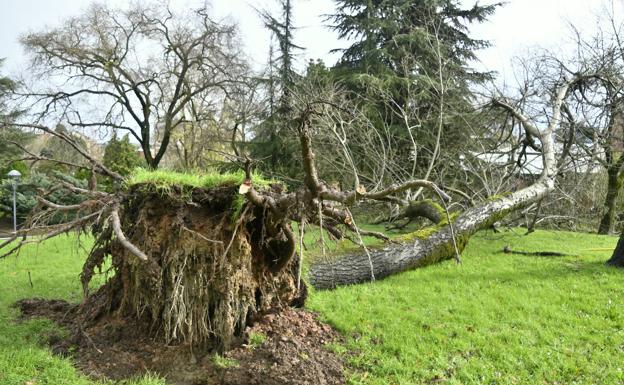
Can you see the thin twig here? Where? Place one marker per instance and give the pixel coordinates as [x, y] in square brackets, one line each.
[320, 213]
[450, 223]
[368, 254]
[200, 235]
[301, 233]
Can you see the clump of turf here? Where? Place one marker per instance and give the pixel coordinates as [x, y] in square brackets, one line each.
[168, 178]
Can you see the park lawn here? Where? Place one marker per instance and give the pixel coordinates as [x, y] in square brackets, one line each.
[54, 268]
[495, 319]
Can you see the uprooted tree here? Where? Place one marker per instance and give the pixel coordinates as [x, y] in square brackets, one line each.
[194, 263]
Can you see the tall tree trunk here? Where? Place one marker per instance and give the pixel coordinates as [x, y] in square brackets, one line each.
[613, 190]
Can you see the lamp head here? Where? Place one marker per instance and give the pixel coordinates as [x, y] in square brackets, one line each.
[14, 174]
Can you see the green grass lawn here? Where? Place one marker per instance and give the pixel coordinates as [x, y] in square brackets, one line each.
[54, 268]
[495, 319]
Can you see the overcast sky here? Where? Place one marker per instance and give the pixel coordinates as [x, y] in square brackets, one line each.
[515, 28]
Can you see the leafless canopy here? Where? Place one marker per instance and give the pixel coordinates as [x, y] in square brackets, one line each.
[140, 70]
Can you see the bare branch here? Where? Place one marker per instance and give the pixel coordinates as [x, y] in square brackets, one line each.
[98, 166]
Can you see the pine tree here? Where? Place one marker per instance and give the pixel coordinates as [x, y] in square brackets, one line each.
[272, 142]
[418, 54]
[282, 30]
[121, 156]
[9, 135]
[394, 36]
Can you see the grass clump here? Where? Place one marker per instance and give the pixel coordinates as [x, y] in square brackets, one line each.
[256, 339]
[224, 362]
[147, 379]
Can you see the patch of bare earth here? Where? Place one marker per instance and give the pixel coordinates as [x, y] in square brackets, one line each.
[286, 347]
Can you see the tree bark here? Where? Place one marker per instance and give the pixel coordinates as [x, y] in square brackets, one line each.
[424, 209]
[355, 268]
[613, 190]
[617, 259]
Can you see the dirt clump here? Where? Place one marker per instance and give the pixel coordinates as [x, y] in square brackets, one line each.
[285, 346]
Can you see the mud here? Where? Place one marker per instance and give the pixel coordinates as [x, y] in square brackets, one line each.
[289, 346]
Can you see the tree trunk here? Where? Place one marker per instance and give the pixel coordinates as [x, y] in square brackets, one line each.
[418, 252]
[613, 190]
[617, 259]
[208, 269]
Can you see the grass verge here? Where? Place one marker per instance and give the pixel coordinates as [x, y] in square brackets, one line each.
[53, 269]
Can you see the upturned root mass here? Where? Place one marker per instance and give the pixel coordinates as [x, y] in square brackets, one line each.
[211, 267]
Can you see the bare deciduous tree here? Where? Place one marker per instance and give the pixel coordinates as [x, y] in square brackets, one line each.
[137, 70]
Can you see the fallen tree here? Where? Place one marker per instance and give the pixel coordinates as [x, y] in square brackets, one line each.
[442, 242]
[195, 265]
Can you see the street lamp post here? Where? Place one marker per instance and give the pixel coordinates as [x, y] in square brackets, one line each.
[14, 175]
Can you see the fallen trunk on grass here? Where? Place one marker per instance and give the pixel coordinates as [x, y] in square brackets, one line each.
[425, 247]
[444, 242]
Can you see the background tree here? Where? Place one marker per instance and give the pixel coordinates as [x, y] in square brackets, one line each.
[100, 76]
[121, 156]
[10, 137]
[617, 258]
[56, 148]
[271, 142]
[30, 188]
[601, 135]
[412, 61]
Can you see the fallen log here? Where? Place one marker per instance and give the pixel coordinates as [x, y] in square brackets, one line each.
[439, 245]
[424, 248]
[508, 250]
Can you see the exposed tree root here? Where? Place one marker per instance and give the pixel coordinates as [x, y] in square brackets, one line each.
[199, 276]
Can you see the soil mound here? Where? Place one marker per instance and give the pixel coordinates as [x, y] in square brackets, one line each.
[279, 347]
